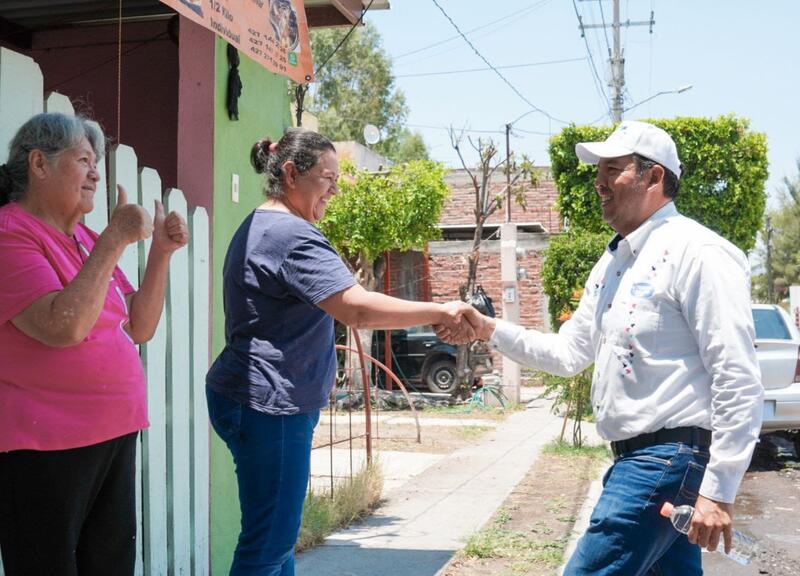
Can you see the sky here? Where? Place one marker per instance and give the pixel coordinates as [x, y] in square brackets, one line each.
[739, 57]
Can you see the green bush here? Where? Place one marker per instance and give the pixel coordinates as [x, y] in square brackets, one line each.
[393, 210]
[722, 186]
[568, 260]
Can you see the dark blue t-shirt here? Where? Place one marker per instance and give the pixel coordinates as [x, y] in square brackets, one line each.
[279, 356]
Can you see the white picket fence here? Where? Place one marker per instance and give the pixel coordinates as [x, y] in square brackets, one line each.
[173, 454]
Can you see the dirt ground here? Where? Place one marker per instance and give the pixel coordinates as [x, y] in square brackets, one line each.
[529, 533]
[397, 431]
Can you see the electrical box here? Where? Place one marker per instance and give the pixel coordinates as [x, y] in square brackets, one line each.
[235, 188]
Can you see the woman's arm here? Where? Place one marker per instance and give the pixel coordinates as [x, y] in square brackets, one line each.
[64, 318]
[145, 305]
[359, 308]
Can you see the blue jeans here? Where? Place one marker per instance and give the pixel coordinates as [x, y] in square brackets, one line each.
[273, 459]
[627, 536]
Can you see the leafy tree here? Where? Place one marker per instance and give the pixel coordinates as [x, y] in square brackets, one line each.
[784, 222]
[792, 187]
[722, 186]
[374, 213]
[487, 202]
[356, 87]
[378, 212]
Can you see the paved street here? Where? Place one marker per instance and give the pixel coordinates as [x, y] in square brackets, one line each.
[768, 507]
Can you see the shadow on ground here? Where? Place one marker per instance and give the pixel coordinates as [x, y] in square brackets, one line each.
[347, 560]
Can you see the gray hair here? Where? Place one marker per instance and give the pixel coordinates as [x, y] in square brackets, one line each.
[52, 134]
[303, 147]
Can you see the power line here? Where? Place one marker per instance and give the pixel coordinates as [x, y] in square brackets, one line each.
[343, 40]
[481, 27]
[535, 133]
[598, 84]
[447, 128]
[603, 19]
[426, 57]
[496, 71]
[510, 66]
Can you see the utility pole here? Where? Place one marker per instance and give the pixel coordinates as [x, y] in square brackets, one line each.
[616, 59]
[770, 295]
[508, 174]
[617, 63]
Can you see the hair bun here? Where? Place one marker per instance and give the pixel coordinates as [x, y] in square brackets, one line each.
[259, 155]
[5, 177]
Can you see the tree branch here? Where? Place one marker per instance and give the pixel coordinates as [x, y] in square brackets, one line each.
[455, 143]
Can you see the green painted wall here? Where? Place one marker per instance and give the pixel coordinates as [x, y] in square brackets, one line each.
[263, 111]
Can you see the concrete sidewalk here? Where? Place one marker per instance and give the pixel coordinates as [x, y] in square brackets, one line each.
[427, 519]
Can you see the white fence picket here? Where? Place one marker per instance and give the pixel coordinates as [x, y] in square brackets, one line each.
[173, 457]
[97, 219]
[21, 92]
[198, 267]
[154, 439]
[179, 401]
[123, 171]
[56, 102]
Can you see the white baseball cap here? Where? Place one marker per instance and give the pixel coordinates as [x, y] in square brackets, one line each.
[632, 137]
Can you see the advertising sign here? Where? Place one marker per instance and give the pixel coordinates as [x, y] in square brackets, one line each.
[274, 33]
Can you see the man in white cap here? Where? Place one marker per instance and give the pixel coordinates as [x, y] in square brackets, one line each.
[665, 318]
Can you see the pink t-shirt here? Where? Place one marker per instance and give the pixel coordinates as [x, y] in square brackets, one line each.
[59, 398]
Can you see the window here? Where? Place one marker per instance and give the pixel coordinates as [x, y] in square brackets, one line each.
[770, 325]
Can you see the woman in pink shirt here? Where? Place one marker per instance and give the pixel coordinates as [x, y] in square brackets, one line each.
[72, 389]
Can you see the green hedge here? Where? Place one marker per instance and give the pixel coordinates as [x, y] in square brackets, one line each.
[569, 259]
[722, 186]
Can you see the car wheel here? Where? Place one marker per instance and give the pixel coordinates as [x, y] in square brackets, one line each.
[441, 376]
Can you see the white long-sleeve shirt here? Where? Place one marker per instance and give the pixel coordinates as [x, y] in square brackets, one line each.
[665, 317]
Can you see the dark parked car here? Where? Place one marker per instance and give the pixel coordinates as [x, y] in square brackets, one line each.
[421, 360]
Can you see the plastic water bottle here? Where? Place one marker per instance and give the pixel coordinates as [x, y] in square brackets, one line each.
[742, 546]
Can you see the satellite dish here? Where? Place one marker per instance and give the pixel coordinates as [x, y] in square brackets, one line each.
[371, 134]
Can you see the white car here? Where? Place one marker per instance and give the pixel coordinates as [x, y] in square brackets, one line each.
[778, 352]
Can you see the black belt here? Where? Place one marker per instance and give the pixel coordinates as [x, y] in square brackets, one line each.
[690, 435]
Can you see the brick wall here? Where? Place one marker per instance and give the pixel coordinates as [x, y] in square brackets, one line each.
[447, 259]
[540, 202]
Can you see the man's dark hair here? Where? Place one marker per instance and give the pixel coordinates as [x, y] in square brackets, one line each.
[671, 181]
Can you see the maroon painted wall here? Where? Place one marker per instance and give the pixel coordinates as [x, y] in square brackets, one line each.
[195, 138]
[82, 64]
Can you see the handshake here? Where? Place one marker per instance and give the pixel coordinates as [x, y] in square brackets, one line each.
[460, 323]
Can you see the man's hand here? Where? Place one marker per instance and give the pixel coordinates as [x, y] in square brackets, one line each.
[129, 223]
[481, 326]
[454, 328]
[170, 232]
[711, 520]
[473, 325]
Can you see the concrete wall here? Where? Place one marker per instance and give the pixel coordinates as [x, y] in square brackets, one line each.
[263, 111]
[361, 156]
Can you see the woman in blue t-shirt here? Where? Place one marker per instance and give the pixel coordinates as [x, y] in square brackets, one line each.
[283, 286]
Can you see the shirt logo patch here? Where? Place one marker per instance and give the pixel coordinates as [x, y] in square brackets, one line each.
[642, 290]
